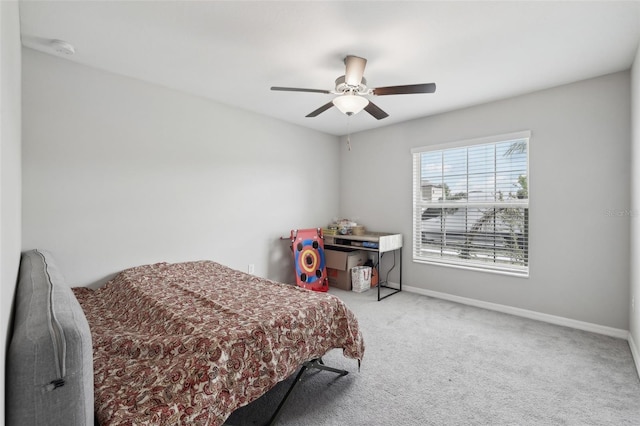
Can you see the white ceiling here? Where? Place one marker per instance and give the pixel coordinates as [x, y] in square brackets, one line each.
[234, 51]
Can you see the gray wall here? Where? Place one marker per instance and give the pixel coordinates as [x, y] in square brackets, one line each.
[634, 318]
[118, 172]
[9, 171]
[579, 188]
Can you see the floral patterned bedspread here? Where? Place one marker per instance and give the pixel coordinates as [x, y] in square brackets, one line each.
[188, 343]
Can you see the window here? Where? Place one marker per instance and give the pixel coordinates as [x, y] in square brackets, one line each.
[471, 204]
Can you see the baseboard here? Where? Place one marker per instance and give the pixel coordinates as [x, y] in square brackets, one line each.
[634, 353]
[552, 319]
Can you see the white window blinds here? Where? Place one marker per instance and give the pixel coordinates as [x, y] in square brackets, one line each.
[471, 204]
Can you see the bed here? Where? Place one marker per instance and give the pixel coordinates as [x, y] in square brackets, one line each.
[188, 343]
[162, 344]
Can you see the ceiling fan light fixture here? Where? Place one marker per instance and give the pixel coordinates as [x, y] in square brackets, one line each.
[350, 104]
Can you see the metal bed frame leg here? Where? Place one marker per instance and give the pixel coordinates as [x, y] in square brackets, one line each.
[314, 363]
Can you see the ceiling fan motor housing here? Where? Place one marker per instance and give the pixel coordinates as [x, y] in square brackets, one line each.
[342, 86]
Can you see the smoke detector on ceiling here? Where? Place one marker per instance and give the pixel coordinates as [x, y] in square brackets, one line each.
[63, 47]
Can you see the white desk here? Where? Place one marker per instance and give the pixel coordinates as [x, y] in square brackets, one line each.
[377, 242]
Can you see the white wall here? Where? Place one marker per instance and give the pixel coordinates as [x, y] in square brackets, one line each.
[9, 171]
[634, 317]
[580, 170]
[118, 172]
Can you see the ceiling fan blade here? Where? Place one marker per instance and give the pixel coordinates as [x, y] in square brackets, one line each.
[320, 110]
[297, 89]
[375, 111]
[405, 90]
[354, 70]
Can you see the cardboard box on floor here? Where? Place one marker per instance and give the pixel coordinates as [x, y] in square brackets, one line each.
[339, 264]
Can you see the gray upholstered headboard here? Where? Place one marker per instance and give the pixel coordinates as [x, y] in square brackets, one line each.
[50, 358]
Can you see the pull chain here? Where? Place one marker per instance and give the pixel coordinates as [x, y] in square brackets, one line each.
[349, 132]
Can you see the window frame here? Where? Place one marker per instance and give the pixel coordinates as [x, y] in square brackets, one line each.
[419, 206]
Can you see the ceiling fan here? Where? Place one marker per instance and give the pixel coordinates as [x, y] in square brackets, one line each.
[351, 89]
